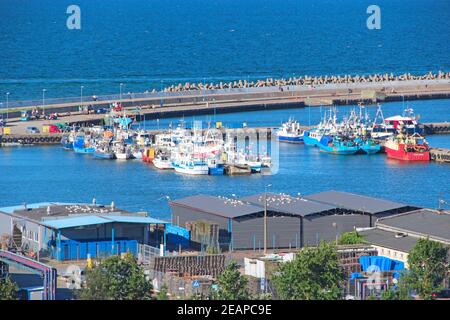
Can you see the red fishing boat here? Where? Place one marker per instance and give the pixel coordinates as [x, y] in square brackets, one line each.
[407, 148]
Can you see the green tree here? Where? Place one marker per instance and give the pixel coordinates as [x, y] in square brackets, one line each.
[428, 267]
[315, 274]
[162, 294]
[400, 291]
[117, 278]
[231, 284]
[8, 290]
[352, 237]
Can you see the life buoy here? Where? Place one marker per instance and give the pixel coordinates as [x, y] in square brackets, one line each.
[41, 139]
[26, 141]
[10, 140]
[4, 140]
[14, 139]
[47, 139]
[31, 140]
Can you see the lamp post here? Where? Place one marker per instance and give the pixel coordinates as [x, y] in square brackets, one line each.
[81, 96]
[43, 101]
[7, 106]
[120, 92]
[265, 217]
[160, 92]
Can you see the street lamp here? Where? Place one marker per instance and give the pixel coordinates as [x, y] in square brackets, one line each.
[265, 217]
[81, 97]
[120, 95]
[7, 106]
[43, 101]
[160, 92]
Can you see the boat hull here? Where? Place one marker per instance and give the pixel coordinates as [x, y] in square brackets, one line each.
[83, 150]
[290, 139]
[104, 155]
[123, 156]
[200, 170]
[339, 150]
[162, 165]
[216, 171]
[401, 154]
[309, 141]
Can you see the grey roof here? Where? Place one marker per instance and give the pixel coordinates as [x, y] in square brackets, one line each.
[288, 204]
[39, 213]
[355, 202]
[220, 206]
[423, 223]
[387, 239]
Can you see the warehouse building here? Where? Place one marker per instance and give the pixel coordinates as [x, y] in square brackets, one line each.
[394, 237]
[66, 231]
[292, 222]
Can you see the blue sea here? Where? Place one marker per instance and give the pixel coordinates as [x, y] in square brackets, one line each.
[143, 42]
[153, 43]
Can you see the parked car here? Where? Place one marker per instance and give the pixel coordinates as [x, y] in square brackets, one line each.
[444, 294]
[32, 130]
[102, 110]
[54, 129]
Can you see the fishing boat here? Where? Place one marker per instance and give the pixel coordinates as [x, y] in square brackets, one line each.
[368, 145]
[81, 146]
[67, 141]
[215, 167]
[104, 154]
[312, 137]
[191, 166]
[121, 150]
[252, 161]
[290, 132]
[340, 145]
[407, 147]
[163, 162]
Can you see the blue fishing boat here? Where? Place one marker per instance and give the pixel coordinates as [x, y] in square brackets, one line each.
[312, 137]
[290, 132]
[104, 154]
[338, 145]
[67, 142]
[368, 146]
[79, 146]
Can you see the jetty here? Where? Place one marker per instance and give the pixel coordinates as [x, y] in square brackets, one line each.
[238, 96]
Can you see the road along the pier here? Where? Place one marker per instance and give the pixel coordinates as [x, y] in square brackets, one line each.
[164, 105]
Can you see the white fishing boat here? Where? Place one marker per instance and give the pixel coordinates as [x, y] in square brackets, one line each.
[290, 132]
[163, 162]
[191, 166]
[121, 150]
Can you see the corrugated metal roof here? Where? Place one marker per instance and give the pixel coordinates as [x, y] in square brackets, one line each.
[135, 219]
[424, 222]
[288, 204]
[387, 239]
[355, 202]
[71, 222]
[220, 206]
[11, 209]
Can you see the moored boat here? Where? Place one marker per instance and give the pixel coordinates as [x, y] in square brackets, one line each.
[338, 145]
[290, 132]
[407, 148]
[162, 162]
[191, 167]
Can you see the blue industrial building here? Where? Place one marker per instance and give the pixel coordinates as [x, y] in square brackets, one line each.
[68, 231]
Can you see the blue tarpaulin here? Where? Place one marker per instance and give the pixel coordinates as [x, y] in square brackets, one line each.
[369, 263]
